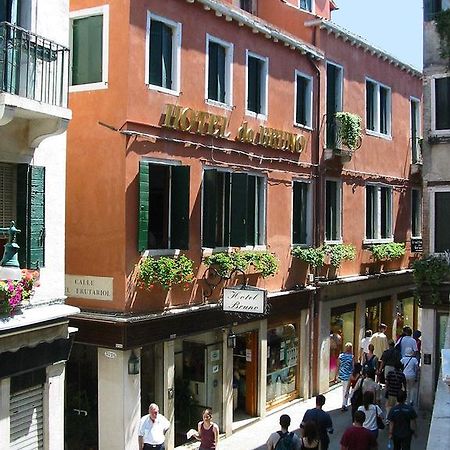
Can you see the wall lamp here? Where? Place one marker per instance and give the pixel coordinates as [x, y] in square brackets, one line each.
[231, 340]
[133, 364]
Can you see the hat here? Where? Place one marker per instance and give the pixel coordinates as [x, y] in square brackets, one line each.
[409, 352]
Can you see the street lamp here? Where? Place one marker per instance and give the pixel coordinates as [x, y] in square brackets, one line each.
[133, 364]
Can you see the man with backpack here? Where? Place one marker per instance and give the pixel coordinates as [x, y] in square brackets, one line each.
[389, 359]
[283, 439]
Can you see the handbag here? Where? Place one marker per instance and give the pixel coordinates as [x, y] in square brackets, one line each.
[380, 423]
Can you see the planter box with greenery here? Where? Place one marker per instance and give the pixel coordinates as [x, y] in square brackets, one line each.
[348, 129]
[388, 251]
[313, 256]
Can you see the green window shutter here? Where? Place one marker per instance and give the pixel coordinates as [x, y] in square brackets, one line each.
[31, 215]
[252, 207]
[144, 184]
[213, 71]
[160, 70]
[300, 113]
[87, 50]
[299, 213]
[442, 224]
[370, 212]
[239, 219]
[331, 210]
[209, 208]
[221, 74]
[254, 84]
[166, 53]
[370, 106]
[179, 221]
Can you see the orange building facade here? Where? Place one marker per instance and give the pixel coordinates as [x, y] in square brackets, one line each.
[213, 133]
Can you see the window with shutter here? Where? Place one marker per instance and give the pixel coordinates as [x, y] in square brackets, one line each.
[303, 105]
[334, 101]
[220, 61]
[442, 103]
[378, 212]
[333, 210]
[300, 212]
[441, 222]
[416, 213]
[378, 108]
[8, 186]
[257, 73]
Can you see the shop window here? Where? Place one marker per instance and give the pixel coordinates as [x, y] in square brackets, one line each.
[233, 209]
[301, 213]
[378, 212]
[220, 60]
[440, 223]
[378, 108]
[89, 48]
[22, 199]
[441, 105]
[282, 360]
[333, 210]
[416, 213]
[163, 57]
[163, 206]
[257, 84]
[303, 99]
[334, 100]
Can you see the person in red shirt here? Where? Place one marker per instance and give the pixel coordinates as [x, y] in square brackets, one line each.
[357, 437]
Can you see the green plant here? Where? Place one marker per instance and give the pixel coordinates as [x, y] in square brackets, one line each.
[350, 129]
[166, 271]
[264, 262]
[442, 20]
[388, 251]
[315, 257]
[340, 252]
[224, 263]
[14, 292]
[431, 271]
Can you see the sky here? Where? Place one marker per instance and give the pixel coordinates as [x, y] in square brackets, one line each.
[392, 25]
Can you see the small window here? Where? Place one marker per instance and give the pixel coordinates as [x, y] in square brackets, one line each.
[246, 5]
[334, 101]
[220, 60]
[306, 5]
[416, 156]
[441, 229]
[257, 80]
[441, 102]
[303, 100]
[163, 206]
[163, 53]
[233, 209]
[378, 108]
[378, 212]
[416, 213]
[301, 213]
[89, 48]
[333, 210]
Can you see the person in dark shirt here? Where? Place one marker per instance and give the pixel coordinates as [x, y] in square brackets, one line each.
[402, 423]
[322, 419]
[395, 382]
[389, 359]
[357, 437]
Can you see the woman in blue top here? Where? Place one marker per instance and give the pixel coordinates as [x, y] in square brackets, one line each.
[345, 367]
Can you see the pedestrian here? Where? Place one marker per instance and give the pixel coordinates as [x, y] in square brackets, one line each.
[370, 385]
[416, 336]
[364, 347]
[410, 370]
[370, 360]
[357, 437]
[389, 359]
[406, 341]
[345, 367]
[356, 380]
[379, 340]
[395, 382]
[371, 411]
[310, 438]
[208, 432]
[152, 428]
[322, 419]
[283, 439]
[402, 423]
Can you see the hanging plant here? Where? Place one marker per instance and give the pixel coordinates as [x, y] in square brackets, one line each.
[430, 272]
[14, 293]
[388, 251]
[349, 130]
[166, 271]
[315, 257]
[341, 252]
[442, 20]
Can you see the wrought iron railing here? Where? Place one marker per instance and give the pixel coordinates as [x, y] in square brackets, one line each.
[32, 66]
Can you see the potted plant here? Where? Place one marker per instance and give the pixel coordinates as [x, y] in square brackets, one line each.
[349, 129]
[388, 251]
[14, 293]
[314, 256]
[340, 252]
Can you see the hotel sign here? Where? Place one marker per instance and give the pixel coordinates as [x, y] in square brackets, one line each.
[207, 124]
[244, 300]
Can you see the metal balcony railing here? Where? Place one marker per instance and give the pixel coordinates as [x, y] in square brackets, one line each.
[32, 66]
[334, 136]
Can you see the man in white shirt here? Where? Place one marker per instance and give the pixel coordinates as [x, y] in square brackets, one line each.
[364, 346]
[406, 341]
[379, 341]
[152, 429]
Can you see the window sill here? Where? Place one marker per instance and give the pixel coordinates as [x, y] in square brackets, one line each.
[88, 87]
[218, 104]
[161, 252]
[377, 241]
[207, 251]
[258, 116]
[303, 127]
[300, 245]
[163, 90]
[338, 241]
[387, 137]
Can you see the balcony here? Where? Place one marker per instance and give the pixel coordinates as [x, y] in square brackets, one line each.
[33, 84]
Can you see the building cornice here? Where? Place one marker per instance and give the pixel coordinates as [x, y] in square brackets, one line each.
[229, 14]
[360, 42]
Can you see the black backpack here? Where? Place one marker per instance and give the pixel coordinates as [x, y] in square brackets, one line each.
[357, 396]
[286, 441]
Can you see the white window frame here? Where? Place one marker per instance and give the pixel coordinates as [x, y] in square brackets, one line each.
[80, 14]
[313, 6]
[434, 131]
[309, 103]
[229, 51]
[432, 191]
[265, 85]
[377, 110]
[176, 54]
[416, 101]
[309, 212]
[340, 216]
[341, 82]
[420, 212]
[378, 238]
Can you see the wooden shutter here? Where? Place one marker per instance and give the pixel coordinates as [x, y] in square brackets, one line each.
[252, 207]
[442, 100]
[212, 71]
[239, 199]
[143, 216]
[331, 199]
[31, 215]
[8, 181]
[155, 58]
[179, 221]
[442, 222]
[254, 84]
[221, 93]
[370, 212]
[166, 55]
[209, 207]
[299, 212]
[370, 105]
[300, 116]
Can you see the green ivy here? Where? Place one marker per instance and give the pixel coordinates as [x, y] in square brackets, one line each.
[350, 129]
[315, 257]
[388, 251]
[166, 271]
[442, 19]
[431, 271]
[341, 252]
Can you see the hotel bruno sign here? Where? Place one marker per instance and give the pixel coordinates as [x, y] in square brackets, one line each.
[207, 124]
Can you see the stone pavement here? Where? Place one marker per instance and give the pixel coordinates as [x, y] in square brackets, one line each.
[254, 436]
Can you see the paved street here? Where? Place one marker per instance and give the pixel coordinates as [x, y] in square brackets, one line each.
[253, 437]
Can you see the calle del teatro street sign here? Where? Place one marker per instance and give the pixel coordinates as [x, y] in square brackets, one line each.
[245, 299]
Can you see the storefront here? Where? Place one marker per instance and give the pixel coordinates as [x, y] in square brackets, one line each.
[379, 310]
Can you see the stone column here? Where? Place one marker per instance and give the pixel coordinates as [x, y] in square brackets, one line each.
[4, 413]
[119, 401]
[54, 407]
[227, 404]
[427, 371]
